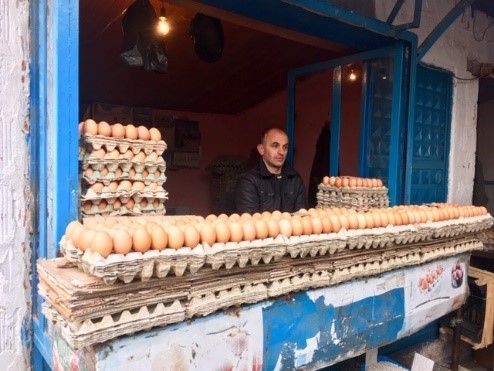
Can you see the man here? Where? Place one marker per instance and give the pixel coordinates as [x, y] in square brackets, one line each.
[271, 184]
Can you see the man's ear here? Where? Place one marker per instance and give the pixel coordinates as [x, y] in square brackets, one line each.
[260, 149]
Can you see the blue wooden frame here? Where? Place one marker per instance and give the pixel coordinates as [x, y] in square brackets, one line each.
[54, 164]
[396, 52]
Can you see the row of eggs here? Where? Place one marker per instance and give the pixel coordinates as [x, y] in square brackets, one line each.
[119, 131]
[352, 182]
[116, 203]
[129, 156]
[105, 173]
[142, 235]
[125, 185]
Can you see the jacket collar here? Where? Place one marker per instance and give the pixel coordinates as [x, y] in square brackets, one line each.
[285, 170]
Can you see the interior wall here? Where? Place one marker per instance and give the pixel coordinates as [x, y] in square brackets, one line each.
[485, 129]
[224, 135]
[470, 36]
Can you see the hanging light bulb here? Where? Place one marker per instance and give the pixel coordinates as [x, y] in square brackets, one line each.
[163, 26]
[352, 76]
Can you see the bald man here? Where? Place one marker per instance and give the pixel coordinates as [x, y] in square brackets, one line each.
[271, 184]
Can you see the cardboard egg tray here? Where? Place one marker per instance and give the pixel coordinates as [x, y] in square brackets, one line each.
[123, 164]
[89, 143]
[228, 255]
[357, 198]
[206, 293]
[110, 210]
[111, 176]
[87, 194]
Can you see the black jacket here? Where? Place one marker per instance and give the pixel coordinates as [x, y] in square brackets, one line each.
[258, 190]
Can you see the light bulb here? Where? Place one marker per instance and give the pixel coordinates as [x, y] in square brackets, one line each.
[352, 76]
[163, 26]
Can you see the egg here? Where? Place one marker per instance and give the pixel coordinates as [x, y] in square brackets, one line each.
[99, 153]
[326, 224]
[117, 131]
[191, 236]
[249, 230]
[104, 172]
[131, 132]
[325, 180]
[141, 240]
[104, 129]
[285, 227]
[71, 227]
[344, 221]
[332, 181]
[90, 127]
[211, 217]
[97, 187]
[122, 241]
[222, 232]
[102, 243]
[335, 223]
[117, 204]
[369, 220]
[297, 226]
[273, 228]
[176, 237]
[362, 222]
[352, 221]
[155, 134]
[338, 182]
[143, 133]
[236, 232]
[317, 227]
[345, 182]
[352, 183]
[307, 225]
[208, 234]
[118, 172]
[262, 230]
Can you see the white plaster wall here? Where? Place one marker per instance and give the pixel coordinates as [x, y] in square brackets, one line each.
[15, 252]
[468, 37]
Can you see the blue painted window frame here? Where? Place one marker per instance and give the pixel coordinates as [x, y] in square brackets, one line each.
[396, 52]
[54, 141]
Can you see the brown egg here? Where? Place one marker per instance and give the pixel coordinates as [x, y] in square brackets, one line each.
[208, 234]
[101, 243]
[97, 187]
[140, 186]
[125, 185]
[359, 182]
[332, 181]
[325, 180]
[117, 131]
[155, 134]
[104, 172]
[89, 172]
[338, 182]
[122, 241]
[234, 217]
[307, 225]
[285, 227]
[87, 206]
[99, 153]
[222, 232]
[249, 230]
[191, 236]
[326, 224]
[352, 221]
[211, 217]
[362, 222]
[404, 218]
[276, 215]
[384, 219]
[236, 231]
[335, 223]
[379, 183]
[345, 182]
[369, 220]
[117, 204]
[73, 228]
[317, 227]
[143, 133]
[90, 127]
[352, 183]
[266, 215]
[141, 240]
[273, 228]
[104, 129]
[391, 218]
[131, 132]
[297, 226]
[262, 230]
[344, 221]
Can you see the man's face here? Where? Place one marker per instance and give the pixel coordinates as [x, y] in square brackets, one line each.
[274, 150]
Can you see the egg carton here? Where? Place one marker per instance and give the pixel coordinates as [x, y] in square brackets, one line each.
[80, 334]
[88, 194]
[143, 266]
[229, 254]
[300, 282]
[356, 191]
[137, 211]
[224, 299]
[123, 164]
[112, 177]
[89, 143]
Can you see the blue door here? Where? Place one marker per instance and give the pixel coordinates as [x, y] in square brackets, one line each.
[431, 136]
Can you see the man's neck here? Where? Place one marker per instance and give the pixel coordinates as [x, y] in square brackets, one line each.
[273, 170]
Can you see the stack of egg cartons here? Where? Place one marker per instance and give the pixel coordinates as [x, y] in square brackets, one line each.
[122, 169]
